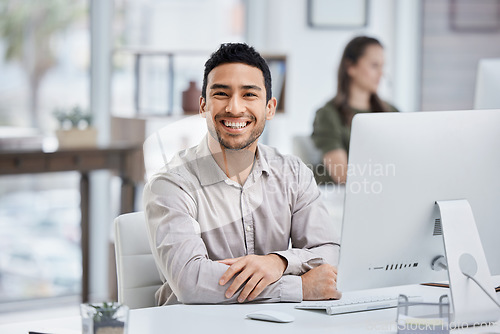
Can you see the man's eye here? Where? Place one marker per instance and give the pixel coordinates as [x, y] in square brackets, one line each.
[220, 94]
[250, 94]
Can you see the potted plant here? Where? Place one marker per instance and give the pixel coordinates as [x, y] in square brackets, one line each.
[75, 128]
[104, 318]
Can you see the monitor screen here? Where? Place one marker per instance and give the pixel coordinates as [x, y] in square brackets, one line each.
[487, 95]
[400, 164]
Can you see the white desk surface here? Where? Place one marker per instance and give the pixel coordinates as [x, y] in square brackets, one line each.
[201, 319]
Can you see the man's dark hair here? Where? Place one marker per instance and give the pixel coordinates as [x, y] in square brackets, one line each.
[237, 53]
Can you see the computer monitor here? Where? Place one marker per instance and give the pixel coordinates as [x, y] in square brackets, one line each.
[400, 164]
[487, 82]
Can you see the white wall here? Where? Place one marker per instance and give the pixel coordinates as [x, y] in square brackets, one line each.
[280, 26]
[450, 56]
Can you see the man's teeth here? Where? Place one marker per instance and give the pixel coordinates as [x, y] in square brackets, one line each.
[235, 125]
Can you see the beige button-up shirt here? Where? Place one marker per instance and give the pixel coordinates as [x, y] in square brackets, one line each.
[196, 215]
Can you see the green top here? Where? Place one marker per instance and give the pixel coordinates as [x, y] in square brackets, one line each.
[329, 132]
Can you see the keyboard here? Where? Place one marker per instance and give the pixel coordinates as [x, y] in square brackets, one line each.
[353, 304]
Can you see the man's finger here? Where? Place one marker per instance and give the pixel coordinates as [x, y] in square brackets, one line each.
[237, 283]
[230, 261]
[258, 289]
[249, 287]
[230, 272]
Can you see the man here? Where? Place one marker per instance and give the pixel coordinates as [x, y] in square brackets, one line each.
[221, 215]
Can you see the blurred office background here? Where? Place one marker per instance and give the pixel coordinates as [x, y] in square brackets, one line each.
[132, 59]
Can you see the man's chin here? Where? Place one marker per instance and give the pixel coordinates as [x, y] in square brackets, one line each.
[236, 142]
[234, 146]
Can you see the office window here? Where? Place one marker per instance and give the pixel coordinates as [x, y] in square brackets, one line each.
[44, 60]
[39, 237]
[44, 65]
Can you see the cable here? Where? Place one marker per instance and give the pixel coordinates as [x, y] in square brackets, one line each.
[468, 266]
[482, 288]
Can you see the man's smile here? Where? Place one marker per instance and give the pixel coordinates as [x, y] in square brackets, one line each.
[235, 125]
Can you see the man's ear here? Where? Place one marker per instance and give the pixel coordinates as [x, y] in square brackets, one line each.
[271, 108]
[203, 105]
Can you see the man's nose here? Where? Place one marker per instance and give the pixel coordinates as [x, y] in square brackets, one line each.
[235, 105]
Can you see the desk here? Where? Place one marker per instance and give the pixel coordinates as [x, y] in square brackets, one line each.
[232, 318]
[127, 160]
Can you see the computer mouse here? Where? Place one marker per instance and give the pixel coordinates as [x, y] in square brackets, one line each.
[270, 315]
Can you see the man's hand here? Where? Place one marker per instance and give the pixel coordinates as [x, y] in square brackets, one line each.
[320, 283]
[258, 271]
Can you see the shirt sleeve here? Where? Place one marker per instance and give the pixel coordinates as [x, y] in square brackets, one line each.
[181, 255]
[314, 239]
[327, 129]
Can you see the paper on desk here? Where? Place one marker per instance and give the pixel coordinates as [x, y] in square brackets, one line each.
[413, 325]
[404, 319]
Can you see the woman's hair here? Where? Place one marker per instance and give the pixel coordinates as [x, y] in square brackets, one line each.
[353, 51]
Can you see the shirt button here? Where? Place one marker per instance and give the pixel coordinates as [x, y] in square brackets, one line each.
[249, 228]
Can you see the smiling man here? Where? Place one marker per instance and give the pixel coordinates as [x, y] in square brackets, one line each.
[222, 215]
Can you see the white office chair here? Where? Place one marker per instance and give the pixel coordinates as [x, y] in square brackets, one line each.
[306, 150]
[176, 135]
[137, 275]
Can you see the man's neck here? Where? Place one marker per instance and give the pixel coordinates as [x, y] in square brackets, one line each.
[236, 164]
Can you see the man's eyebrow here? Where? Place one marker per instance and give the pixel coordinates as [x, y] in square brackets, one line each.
[251, 87]
[222, 86]
[219, 86]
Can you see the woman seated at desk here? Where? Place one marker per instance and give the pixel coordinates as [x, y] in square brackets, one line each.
[359, 74]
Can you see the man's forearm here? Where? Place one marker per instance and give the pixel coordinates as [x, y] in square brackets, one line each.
[256, 272]
[198, 283]
[302, 260]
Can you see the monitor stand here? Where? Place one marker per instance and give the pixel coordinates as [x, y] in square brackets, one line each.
[464, 251]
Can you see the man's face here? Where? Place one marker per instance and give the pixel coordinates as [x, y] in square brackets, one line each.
[235, 106]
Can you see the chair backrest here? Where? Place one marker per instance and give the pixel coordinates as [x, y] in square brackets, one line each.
[170, 138]
[137, 274]
[306, 150]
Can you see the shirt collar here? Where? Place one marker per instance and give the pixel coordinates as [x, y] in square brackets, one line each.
[208, 170]
[210, 173]
[261, 163]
